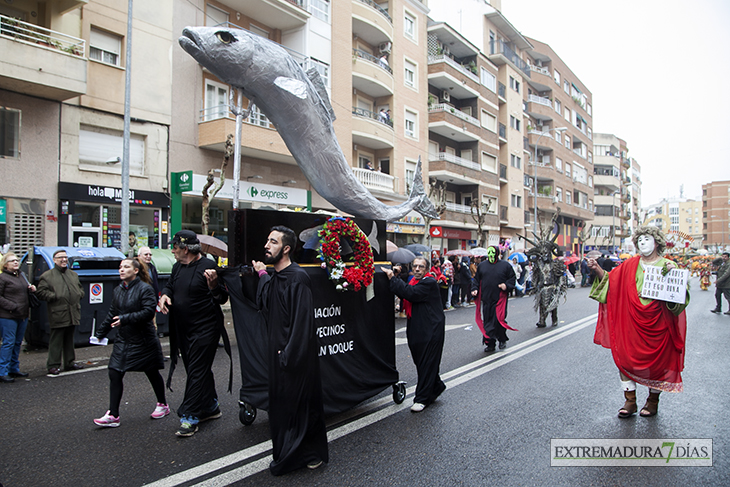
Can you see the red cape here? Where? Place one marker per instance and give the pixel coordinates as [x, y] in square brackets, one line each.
[647, 341]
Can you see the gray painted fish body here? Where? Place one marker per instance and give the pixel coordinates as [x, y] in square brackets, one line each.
[271, 78]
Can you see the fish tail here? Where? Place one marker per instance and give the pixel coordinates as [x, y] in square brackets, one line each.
[418, 192]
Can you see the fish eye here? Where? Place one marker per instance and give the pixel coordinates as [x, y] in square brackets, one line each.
[225, 37]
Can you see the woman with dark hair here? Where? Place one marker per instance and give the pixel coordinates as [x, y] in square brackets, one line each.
[14, 308]
[136, 346]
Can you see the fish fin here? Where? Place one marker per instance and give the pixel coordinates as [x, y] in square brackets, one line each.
[425, 207]
[373, 238]
[294, 86]
[316, 80]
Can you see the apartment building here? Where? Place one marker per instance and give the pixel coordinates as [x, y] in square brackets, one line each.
[372, 59]
[464, 144]
[679, 218]
[62, 79]
[716, 216]
[612, 194]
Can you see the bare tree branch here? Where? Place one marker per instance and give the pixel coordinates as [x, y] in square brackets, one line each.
[228, 152]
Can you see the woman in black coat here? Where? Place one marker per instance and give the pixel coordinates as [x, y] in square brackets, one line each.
[136, 346]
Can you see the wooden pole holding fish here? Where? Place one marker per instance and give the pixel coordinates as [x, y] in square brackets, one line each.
[239, 112]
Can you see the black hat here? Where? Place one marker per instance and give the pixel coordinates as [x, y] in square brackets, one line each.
[185, 237]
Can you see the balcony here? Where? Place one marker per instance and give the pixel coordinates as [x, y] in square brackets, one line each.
[457, 208]
[375, 180]
[371, 22]
[41, 62]
[626, 163]
[502, 133]
[444, 156]
[284, 15]
[452, 123]
[500, 53]
[369, 131]
[502, 174]
[503, 217]
[502, 93]
[371, 76]
[463, 70]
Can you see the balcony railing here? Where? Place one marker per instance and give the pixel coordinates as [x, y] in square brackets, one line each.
[498, 46]
[443, 107]
[502, 171]
[534, 131]
[378, 8]
[501, 90]
[369, 57]
[375, 179]
[444, 156]
[503, 213]
[433, 59]
[361, 112]
[35, 34]
[540, 69]
[221, 111]
[540, 100]
[458, 208]
[502, 131]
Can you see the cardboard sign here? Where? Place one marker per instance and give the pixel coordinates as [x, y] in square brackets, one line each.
[672, 287]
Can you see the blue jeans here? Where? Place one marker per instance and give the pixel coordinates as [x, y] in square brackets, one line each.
[13, 332]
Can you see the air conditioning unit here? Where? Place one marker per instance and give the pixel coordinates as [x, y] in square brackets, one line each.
[385, 47]
[555, 199]
[445, 95]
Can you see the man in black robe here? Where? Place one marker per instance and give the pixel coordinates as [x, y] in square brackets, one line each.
[425, 329]
[494, 280]
[296, 413]
[193, 297]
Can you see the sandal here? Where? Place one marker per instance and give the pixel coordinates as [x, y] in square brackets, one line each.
[651, 406]
[629, 408]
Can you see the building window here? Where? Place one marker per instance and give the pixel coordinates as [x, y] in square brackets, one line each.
[215, 16]
[410, 174]
[105, 47]
[514, 84]
[9, 133]
[321, 9]
[489, 121]
[559, 164]
[515, 161]
[556, 75]
[489, 80]
[567, 171]
[409, 26]
[411, 124]
[489, 204]
[590, 157]
[559, 193]
[567, 141]
[558, 137]
[558, 107]
[323, 69]
[566, 86]
[410, 74]
[514, 122]
[98, 147]
[588, 109]
[516, 201]
[489, 162]
[216, 100]
[567, 114]
[568, 196]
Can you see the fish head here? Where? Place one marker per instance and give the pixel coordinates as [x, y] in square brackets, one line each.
[227, 53]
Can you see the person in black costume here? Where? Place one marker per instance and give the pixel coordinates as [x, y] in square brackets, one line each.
[425, 329]
[296, 412]
[494, 279]
[136, 346]
[193, 297]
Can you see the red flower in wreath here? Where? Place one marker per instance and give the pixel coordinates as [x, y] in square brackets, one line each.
[358, 274]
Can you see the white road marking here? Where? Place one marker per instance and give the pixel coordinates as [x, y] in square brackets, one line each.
[452, 378]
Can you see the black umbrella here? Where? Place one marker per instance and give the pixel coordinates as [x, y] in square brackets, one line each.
[401, 256]
[418, 249]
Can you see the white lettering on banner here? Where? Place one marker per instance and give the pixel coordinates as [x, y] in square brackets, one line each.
[330, 312]
[328, 331]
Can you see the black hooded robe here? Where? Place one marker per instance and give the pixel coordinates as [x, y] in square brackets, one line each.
[196, 323]
[296, 413]
[425, 330]
[488, 278]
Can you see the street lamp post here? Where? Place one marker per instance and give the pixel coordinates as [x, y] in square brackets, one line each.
[537, 143]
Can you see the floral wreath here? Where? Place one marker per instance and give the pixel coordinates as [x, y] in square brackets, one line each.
[356, 276]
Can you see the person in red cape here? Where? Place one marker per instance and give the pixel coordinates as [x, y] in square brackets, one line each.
[425, 329]
[646, 336]
[491, 285]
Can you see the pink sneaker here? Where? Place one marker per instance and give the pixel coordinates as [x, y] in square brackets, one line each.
[108, 421]
[160, 411]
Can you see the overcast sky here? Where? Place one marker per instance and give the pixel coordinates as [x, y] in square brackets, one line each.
[659, 72]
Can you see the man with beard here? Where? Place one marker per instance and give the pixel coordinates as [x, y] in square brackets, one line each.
[193, 297]
[296, 413]
[425, 329]
[493, 281]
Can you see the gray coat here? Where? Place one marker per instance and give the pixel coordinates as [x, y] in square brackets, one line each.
[63, 292]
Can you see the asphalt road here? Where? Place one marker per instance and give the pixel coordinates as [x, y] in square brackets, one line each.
[493, 424]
